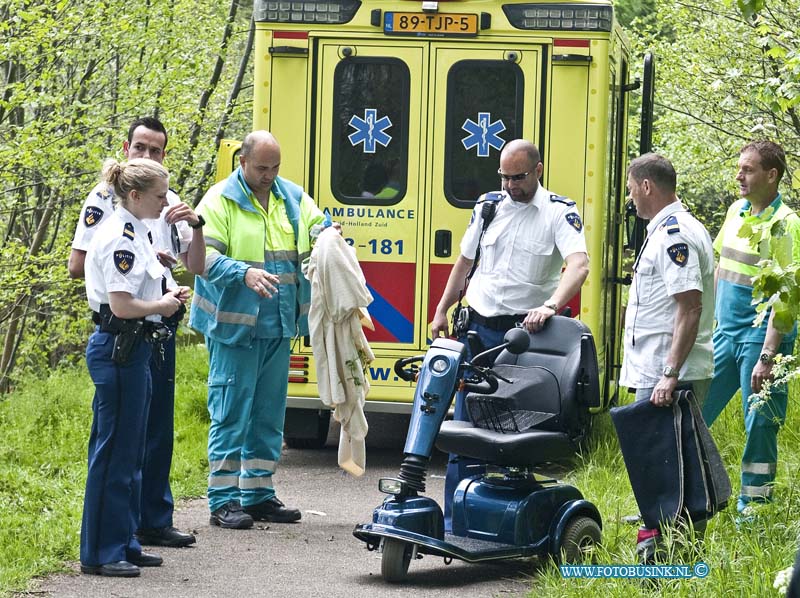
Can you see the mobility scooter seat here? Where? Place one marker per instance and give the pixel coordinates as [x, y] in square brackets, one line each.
[522, 449]
[543, 415]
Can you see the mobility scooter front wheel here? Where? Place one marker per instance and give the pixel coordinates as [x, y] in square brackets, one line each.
[395, 560]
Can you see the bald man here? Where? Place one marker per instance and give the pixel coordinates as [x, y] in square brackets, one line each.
[250, 301]
[520, 237]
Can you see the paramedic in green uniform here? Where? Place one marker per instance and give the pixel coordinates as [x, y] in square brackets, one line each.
[744, 354]
[249, 303]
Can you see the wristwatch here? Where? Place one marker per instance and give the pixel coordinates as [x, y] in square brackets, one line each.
[766, 358]
[670, 372]
[200, 222]
[551, 304]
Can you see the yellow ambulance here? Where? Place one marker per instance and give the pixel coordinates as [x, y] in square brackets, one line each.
[392, 115]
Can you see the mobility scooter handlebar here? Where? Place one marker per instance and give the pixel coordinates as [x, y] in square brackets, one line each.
[482, 379]
[409, 374]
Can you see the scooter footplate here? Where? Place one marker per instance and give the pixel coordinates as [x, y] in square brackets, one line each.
[459, 547]
[476, 546]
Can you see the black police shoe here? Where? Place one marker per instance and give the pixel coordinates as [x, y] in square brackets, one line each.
[145, 559]
[118, 569]
[164, 536]
[272, 510]
[231, 516]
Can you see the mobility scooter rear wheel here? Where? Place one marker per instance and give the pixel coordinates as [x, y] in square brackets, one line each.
[581, 536]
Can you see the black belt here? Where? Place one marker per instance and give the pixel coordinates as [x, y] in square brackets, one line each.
[108, 322]
[496, 322]
[154, 331]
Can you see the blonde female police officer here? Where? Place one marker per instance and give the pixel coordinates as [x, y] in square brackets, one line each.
[123, 286]
[177, 234]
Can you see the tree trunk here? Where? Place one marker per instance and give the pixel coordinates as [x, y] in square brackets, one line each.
[16, 323]
[233, 96]
[12, 340]
[197, 126]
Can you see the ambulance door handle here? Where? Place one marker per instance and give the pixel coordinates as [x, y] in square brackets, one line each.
[290, 50]
[443, 243]
[571, 58]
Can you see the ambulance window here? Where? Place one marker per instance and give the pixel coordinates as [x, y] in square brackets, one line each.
[370, 131]
[484, 111]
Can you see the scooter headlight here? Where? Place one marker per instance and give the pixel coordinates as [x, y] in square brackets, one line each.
[440, 365]
[391, 486]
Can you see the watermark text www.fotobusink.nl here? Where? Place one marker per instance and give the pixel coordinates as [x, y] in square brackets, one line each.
[634, 571]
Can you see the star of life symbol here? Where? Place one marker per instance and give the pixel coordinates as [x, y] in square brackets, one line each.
[483, 134]
[370, 130]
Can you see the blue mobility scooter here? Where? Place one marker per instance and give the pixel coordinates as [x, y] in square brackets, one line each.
[529, 408]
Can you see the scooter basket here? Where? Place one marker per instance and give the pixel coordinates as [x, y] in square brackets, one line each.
[498, 414]
[531, 399]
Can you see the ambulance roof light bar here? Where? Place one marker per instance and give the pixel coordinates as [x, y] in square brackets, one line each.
[560, 17]
[305, 11]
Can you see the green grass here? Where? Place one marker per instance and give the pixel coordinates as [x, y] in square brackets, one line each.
[44, 427]
[741, 562]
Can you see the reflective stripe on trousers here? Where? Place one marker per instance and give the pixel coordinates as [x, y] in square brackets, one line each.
[247, 404]
[733, 366]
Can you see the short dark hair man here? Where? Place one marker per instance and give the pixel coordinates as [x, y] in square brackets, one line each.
[670, 313]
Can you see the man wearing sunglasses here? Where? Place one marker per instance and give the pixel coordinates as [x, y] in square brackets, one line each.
[510, 266]
[173, 239]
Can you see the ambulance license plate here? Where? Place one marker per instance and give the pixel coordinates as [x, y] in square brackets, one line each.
[432, 25]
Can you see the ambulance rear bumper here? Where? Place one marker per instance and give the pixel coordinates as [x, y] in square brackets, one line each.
[369, 406]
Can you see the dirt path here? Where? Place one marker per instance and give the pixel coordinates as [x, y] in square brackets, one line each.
[317, 557]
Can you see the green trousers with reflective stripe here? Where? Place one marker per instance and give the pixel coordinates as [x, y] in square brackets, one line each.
[733, 366]
[247, 404]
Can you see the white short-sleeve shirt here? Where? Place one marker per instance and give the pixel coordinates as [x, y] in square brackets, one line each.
[99, 205]
[522, 252]
[121, 258]
[677, 257]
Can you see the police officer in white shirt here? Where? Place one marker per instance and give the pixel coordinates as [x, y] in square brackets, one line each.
[529, 234]
[173, 238]
[172, 229]
[124, 290]
[670, 315]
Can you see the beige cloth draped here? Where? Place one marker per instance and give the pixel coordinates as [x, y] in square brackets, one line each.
[339, 298]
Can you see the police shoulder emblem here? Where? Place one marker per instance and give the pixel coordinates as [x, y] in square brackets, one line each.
[561, 199]
[574, 220]
[672, 226]
[679, 254]
[92, 216]
[123, 260]
[128, 231]
[105, 194]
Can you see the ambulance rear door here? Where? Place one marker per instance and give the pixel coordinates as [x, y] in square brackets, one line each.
[482, 97]
[370, 147]
[407, 136]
